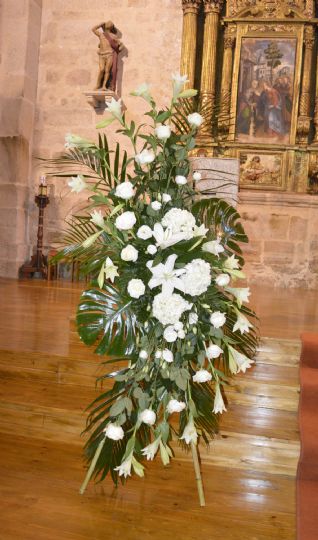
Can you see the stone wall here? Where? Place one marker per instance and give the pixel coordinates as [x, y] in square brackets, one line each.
[283, 233]
[151, 33]
[20, 27]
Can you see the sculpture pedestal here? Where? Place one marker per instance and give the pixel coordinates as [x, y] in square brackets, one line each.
[220, 177]
[98, 99]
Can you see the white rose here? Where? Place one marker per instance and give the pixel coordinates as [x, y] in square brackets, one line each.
[125, 221]
[181, 334]
[156, 205]
[129, 253]
[175, 406]
[197, 176]
[217, 319]
[125, 190]
[213, 247]
[202, 376]
[195, 119]
[114, 432]
[136, 288]
[167, 355]
[143, 354]
[170, 334]
[144, 232]
[222, 280]
[178, 326]
[213, 351]
[147, 417]
[145, 157]
[193, 318]
[166, 197]
[151, 249]
[180, 180]
[163, 132]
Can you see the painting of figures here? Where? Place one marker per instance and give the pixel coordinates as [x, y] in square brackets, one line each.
[265, 90]
[261, 170]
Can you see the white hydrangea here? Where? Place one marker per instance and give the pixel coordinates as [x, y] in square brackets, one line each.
[197, 277]
[178, 220]
[168, 309]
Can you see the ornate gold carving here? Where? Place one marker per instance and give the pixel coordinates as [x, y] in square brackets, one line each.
[191, 6]
[269, 28]
[214, 6]
[271, 8]
[304, 120]
[303, 128]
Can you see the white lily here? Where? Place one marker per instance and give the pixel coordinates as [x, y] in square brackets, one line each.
[143, 90]
[214, 246]
[110, 270]
[124, 469]
[166, 276]
[150, 451]
[178, 83]
[190, 434]
[77, 183]
[219, 406]
[97, 218]
[166, 238]
[75, 141]
[242, 323]
[114, 108]
[241, 361]
[200, 231]
[241, 294]
[231, 263]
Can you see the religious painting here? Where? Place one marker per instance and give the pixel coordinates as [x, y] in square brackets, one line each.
[265, 94]
[261, 170]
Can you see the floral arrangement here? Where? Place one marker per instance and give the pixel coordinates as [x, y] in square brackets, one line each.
[162, 300]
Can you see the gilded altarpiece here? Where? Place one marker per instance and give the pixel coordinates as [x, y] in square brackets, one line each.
[268, 93]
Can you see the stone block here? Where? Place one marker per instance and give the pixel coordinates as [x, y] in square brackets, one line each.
[78, 77]
[278, 252]
[263, 225]
[252, 252]
[298, 228]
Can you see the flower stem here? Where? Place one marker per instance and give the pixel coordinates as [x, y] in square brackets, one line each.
[197, 473]
[92, 466]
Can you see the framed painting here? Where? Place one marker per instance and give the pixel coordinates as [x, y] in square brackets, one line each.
[266, 79]
[262, 170]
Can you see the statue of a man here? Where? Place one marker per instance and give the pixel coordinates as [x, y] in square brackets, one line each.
[109, 47]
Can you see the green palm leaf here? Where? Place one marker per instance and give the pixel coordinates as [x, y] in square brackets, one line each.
[107, 317]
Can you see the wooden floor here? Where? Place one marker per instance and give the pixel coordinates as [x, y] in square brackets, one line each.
[48, 378]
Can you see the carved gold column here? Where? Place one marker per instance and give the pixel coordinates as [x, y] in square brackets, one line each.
[212, 10]
[224, 115]
[315, 141]
[189, 39]
[304, 119]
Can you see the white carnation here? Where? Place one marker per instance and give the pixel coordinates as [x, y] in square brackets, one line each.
[197, 277]
[222, 280]
[202, 376]
[114, 432]
[170, 334]
[163, 132]
[125, 221]
[144, 232]
[167, 355]
[151, 249]
[129, 253]
[136, 288]
[156, 205]
[180, 180]
[175, 406]
[166, 197]
[213, 351]
[147, 417]
[178, 221]
[217, 319]
[168, 309]
[195, 119]
[125, 190]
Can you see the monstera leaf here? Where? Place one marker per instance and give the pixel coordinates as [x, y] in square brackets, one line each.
[105, 316]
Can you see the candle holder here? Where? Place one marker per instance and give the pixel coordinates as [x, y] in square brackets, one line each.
[37, 267]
